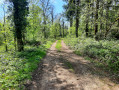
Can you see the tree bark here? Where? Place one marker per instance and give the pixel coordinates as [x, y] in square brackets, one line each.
[20, 44]
[96, 17]
[63, 29]
[87, 30]
[60, 30]
[87, 20]
[44, 29]
[107, 9]
[77, 17]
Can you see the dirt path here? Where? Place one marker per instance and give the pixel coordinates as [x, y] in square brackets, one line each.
[66, 71]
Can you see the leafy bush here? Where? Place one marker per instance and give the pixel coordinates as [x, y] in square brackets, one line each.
[106, 52]
[17, 67]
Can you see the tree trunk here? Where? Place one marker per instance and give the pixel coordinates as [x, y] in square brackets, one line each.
[77, 17]
[63, 29]
[107, 9]
[60, 30]
[44, 30]
[87, 30]
[87, 20]
[52, 15]
[96, 17]
[15, 43]
[20, 44]
[77, 26]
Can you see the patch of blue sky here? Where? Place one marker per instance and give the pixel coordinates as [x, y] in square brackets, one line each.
[58, 4]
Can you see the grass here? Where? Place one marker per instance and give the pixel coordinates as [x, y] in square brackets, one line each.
[48, 44]
[17, 67]
[69, 65]
[58, 45]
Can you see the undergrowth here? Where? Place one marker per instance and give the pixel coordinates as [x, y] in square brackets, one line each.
[58, 45]
[103, 53]
[17, 67]
[69, 65]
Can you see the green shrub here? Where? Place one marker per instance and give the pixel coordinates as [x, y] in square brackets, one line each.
[17, 67]
[106, 52]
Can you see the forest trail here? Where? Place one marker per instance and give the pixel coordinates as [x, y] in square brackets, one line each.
[66, 71]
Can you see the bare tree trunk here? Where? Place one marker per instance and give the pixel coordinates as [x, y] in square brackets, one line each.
[52, 15]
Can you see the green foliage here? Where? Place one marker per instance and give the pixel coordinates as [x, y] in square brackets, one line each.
[6, 37]
[106, 52]
[33, 31]
[48, 44]
[17, 67]
[58, 45]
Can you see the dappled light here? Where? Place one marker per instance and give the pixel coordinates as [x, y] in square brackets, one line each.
[59, 45]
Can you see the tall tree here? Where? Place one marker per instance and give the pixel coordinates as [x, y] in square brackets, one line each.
[63, 27]
[52, 14]
[96, 16]
[70, 10]
[77, 16]
[46, 6]
[87, 17]
[20, 11]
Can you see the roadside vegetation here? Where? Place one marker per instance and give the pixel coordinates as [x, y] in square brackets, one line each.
[103, 53]
[58, 45]
[17, 67]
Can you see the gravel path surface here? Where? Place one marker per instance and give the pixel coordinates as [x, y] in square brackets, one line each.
[67, 71]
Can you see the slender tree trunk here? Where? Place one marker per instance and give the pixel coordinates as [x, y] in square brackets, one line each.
[15, 43]
[96, 17]
[60, 30]
[44, 30]
[44, 22]
[52, 15]
[107, 9]
[87, 21]
[87, 30]
[63, 29]
[77, 26]
[77, 17]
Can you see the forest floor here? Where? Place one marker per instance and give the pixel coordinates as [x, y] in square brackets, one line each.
[65, 70]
